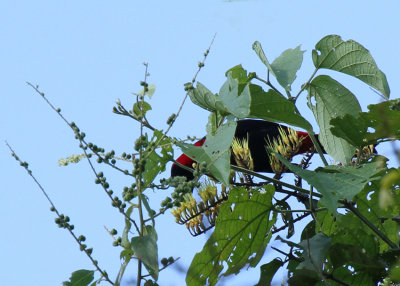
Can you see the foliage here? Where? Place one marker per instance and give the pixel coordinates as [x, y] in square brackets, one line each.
[351, 237]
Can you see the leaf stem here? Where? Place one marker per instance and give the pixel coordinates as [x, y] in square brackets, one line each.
[139, 181]
[305, 85]
[267, 82]
[317, 146]
[69, 227]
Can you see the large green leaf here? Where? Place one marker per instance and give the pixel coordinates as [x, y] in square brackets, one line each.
[80, 278]
[342, 254]
[215, 152]
[241, 234]
[272, 106]
[383, 117]
[304, 277]
[286, 65]
[332, 100]
[335, 182]
[145, 248]
[368, 203]
[203, 97]
[354, 279]
[349, 57]
[314, 252]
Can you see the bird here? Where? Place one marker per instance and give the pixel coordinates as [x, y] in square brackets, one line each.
[259, 134]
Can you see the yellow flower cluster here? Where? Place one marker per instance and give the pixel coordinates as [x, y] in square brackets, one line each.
[193, 214]
[241, 153]
[286, 144]
[366, 152]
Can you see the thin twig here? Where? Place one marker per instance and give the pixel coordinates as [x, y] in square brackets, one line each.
[369, 224]
[267, 82]
[201, 64]
[69, 227]
[286, 225]
[255, 174]
[86, 154]
[305, 85]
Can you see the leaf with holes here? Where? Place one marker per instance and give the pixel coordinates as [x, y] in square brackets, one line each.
[155, 163]
[242, 232]
[383, 118]
[335, 182]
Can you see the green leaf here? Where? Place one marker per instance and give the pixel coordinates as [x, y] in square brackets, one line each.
[352, 231]
[286, 65]
[383, 117]
[124, 239]
[395, 272]
[335, 182]
[309, 230]
[211, 127]
[274, 107]
[342, 254]
[332, 100]
[126, 254]
[141, 108]
[145, 248]
[236, 99]
[351, 278]
[304, 277]
[368, 203]
[151, 88]
[242, 231]
[155, 163]
[80, 278]
[326, 223]
[286, 216]
[151, 212]
[215, 152]
[203, 97]
[259, 51]
[350, 57]
[239, 73]
[268, 271]
[315, 250]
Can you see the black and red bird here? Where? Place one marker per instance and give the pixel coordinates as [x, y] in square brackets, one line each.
[258, 133]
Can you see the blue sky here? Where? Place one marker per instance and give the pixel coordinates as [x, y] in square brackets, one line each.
[85, 55]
